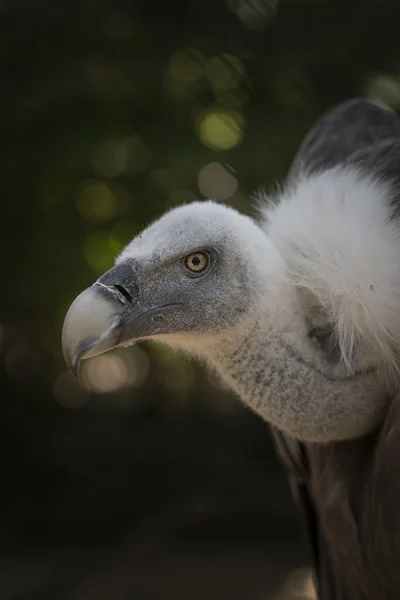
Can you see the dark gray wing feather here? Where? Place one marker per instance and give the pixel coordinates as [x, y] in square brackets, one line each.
[382, 161]
[353, 126]
[349, 493]
[294, 460]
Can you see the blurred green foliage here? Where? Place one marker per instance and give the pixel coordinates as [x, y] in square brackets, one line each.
[111, 112]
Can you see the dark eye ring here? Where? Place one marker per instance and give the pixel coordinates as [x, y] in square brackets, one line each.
[197, 262]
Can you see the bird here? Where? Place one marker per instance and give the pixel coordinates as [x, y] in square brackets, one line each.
[297, 309]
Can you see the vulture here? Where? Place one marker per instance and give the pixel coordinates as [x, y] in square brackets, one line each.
[298, 311]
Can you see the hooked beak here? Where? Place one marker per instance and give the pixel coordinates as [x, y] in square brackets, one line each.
[109, 313]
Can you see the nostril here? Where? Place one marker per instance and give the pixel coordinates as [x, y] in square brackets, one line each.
[123, 291]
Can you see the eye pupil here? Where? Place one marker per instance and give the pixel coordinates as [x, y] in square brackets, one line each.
[197, 262]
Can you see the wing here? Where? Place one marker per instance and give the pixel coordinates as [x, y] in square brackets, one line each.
[293, 457]
[354, 126]
[349, 493]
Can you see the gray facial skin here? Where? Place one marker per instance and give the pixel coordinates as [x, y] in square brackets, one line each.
[242, 314]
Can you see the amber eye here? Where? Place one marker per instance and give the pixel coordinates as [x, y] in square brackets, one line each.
[197, 262]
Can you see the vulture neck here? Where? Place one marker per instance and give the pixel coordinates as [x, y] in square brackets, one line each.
[271, 363]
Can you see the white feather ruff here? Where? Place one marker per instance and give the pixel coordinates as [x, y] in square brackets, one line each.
[335, 232]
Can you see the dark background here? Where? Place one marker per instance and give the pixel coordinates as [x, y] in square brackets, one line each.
[149, 482]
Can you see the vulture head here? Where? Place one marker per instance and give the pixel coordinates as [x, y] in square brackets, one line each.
[194, 279]
[289, 311]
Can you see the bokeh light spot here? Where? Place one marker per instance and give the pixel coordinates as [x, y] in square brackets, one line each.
[109, 158]
[221, 130]
[96, 201]
[97, 251]
[105, 373]
[299, 584]
[214, 181]
[113, 371]
[384, 89]
[69, 392]
[186, 65]
[255, 14]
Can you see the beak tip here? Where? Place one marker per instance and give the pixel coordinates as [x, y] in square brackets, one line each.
[74, 366]
[73, 361]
